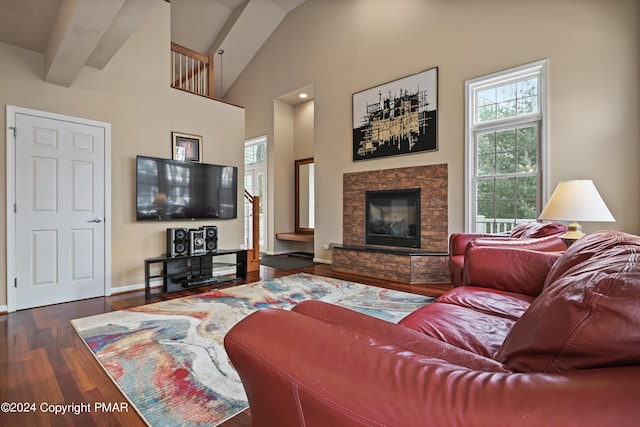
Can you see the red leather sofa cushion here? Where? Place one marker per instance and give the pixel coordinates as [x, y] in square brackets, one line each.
[462, 327]
[524, 272]
[487, 300]
[588, 315]
[409, 339]
[537, 229]
[580, 254]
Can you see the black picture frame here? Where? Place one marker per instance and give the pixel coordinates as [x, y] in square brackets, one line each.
[186, 147]
[396, 118]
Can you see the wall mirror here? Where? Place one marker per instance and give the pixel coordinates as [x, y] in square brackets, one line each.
[305, 209]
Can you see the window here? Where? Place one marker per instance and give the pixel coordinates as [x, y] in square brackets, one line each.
[505, 148]
[255, 151]
[255, 182]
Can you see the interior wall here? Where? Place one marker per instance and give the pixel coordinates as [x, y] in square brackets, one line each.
[303, 128]
[281, 187]
[293, 139]
[133, 94]
[343, 47]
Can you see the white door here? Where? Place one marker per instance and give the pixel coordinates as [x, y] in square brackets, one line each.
[60, 211]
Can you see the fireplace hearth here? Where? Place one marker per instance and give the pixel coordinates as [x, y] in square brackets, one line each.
[393, 217]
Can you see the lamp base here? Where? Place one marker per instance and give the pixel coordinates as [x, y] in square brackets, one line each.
[574, 233]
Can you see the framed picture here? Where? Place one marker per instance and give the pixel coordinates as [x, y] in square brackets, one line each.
[186, 147]
[399, 117]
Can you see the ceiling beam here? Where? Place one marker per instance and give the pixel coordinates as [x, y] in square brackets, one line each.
[242, 39]
[79, 27]
[129, 18]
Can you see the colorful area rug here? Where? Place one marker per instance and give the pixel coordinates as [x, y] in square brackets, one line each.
[168, 358]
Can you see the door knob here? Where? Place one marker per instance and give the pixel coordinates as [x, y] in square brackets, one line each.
[97, 220]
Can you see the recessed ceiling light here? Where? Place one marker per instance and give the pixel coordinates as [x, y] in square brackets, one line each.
[303, 95]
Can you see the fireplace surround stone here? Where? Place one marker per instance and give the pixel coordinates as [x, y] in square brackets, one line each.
[418, 265]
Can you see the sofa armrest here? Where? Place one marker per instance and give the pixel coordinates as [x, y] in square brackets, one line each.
[508, 269]
[458, 241]
[300, 370]
[544, 244]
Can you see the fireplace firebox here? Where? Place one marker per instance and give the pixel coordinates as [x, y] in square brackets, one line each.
[393, 217]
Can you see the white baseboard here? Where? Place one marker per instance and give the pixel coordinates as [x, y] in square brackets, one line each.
[3, 308]
[279, 252]
[322, 261]
[132, 288]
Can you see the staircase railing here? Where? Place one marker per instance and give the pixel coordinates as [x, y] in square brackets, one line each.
[253, 257]
[191, 71]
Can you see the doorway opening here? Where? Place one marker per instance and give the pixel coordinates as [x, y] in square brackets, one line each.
[255, 182]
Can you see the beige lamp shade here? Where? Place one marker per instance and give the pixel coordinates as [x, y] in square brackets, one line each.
[576, 200]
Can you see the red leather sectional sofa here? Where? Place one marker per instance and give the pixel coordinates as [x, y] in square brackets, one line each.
[537, 236]
[535, 339]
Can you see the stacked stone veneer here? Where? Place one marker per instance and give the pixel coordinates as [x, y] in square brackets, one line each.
[434, 225]
[432, 180]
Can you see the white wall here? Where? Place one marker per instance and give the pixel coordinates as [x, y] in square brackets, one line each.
[303, 130]
[342, 47]
[133, 94]
[293, 127]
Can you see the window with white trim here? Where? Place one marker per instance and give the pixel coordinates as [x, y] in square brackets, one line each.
[505, 148]
[255, 182]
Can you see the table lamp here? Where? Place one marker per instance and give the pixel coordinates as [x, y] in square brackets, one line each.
[576, 200]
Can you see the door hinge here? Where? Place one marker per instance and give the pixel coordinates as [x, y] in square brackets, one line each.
[15, 132]
[15, 282]
[15, 208]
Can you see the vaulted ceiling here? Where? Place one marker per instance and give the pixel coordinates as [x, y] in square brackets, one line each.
[76, 33]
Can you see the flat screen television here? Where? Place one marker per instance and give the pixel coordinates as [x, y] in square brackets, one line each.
[176, 190]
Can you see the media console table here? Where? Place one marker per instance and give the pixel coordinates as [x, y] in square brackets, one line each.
[405, 265]
[180, 272]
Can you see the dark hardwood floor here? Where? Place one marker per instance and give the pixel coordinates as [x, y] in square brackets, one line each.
[43, 362]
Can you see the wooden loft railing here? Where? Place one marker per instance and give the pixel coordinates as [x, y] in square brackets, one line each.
[253, 256]
[191, 71]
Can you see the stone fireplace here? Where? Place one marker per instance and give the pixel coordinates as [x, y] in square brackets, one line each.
[424, 260]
